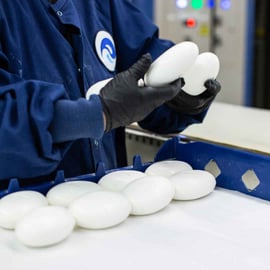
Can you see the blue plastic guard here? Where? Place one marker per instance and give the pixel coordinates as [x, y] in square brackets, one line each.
[235, 165]
[239, 170]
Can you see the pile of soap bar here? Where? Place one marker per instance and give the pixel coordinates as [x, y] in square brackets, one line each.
[40, 220]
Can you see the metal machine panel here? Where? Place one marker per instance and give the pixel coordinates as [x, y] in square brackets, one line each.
[179, 21]
[234, 37]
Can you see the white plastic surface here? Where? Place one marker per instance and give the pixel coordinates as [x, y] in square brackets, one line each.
[191, 185]
[101, 209]
[172, 64]
[167, 168]
[64, 193]
[225, 230]
[15, 205]
[149, 194]
[45, 226]
[117, 180]
[205, 67]
[222, 117]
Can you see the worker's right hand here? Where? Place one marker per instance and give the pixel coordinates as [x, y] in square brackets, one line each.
[124, 102]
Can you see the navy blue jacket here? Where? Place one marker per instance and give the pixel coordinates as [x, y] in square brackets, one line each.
[48, 60]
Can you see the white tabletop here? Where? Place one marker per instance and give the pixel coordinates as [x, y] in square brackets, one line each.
[225, 230]
[234, 125]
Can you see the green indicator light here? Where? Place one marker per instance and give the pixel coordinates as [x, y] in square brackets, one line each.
[197, 4]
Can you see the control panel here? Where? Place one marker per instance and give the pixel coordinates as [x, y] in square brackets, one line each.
[224, 27]
[184, 20]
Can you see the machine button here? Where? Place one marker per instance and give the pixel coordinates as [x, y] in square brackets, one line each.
[190, 23]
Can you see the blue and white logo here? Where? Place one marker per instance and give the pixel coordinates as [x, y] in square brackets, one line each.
[106, 49]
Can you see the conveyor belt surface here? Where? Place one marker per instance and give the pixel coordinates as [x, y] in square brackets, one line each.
[226, 230]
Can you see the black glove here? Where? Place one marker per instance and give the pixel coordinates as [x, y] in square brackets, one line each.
[187, 104]
[124, 102]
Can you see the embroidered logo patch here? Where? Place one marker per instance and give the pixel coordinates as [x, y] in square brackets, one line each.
[105, 49]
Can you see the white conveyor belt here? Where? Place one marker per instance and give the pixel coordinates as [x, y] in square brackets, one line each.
[225, 230]
[234, 125]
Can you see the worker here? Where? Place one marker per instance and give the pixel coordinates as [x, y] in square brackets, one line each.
[51, 53]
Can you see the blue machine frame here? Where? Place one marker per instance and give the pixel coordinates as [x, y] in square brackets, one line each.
[248, 101]
[233, 164]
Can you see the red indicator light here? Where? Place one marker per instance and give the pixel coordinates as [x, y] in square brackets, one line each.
[190, 23]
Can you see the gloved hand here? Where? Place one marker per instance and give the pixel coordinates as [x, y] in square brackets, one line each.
[187, 104]
[124, 102]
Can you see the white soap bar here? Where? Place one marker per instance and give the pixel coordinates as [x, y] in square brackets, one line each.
[95, 88]
[15, 205]
[191, 185]
[149, 194]
[172, 64]
[117, 180]
[64, 193]
[45, 226]
[205, 67]
[167, 167]
[99, 210]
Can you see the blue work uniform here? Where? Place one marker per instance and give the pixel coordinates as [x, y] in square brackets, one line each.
[48, 60]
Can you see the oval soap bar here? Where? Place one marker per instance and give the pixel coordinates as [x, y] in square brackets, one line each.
[64, 193]
[95, 88]
[167, 167]
[45, 226]
[117, 180]
[149, 194]
[205, 67]
[15, 205]
[172, 64]
[101, 209]
[191, 185]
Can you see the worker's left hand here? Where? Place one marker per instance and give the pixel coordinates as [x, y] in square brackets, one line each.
[187, 104]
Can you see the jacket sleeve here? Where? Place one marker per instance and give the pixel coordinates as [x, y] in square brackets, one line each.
[33, 117]
[136, 35]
